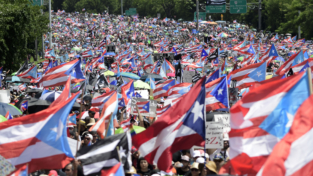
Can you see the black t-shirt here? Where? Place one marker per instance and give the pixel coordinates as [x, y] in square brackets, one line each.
[147, 173]
[179, 171]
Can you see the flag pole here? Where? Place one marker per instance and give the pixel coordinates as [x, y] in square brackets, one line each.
[118, 153]
[78, 130]
[106, 131]
[310, 79]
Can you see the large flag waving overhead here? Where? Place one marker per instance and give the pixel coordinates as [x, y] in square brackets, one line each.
[180, 127]
[285, 158]
[58, 75]
[261, 118]
[37, 139]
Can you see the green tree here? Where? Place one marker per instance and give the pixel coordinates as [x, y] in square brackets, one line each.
[91, 6]
[20, 23]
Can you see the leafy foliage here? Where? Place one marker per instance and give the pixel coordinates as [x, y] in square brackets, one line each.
[20, 23]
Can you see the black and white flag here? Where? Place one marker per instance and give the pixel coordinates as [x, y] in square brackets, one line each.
[214, 55]
[104, 154]
[223, 54]
[195, 78]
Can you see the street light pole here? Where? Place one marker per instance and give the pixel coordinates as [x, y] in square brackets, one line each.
[260, 14]
[50, 33]
[198, 18]
[299, 29]
[122, 7]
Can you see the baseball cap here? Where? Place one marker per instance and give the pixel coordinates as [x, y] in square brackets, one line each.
[53, 173]
[196, 153]
[185, 158]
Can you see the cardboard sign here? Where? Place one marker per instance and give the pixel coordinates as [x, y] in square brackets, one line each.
[187, 76]
[213, 135]
[5, 96]
[152, 107]
[224, 119]
[143, 93]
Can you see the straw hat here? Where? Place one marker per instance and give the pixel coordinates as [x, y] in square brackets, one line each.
[211, 166]
[195, 165]
[91, 122]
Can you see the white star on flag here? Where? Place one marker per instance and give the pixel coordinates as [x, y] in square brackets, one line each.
[259, 74]
[220, 91]
[58, 129]
[196, 110]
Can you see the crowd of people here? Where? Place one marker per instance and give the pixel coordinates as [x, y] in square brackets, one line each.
[164, 49]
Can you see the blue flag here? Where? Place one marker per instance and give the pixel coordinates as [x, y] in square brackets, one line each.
[220, 92]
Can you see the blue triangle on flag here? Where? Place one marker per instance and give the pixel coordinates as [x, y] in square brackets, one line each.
[220, 92]
[146, 107]
[259, 74]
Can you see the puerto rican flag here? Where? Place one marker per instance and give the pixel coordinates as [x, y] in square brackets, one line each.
[292, 61]
[71, 120]
[284, 159]
[143, 107]
[178, 90]
[261, 119]
[161, 89]
[30, 73]
[24, 106]
[242, 75]
[22, 87]
[100, 100]
[58, 75]
[126, 124]
[307, 63]
[8, 116]
[37, 139]
[211, 102]
[162, 110]
[87, 53]
[181, 127]
[110, 107]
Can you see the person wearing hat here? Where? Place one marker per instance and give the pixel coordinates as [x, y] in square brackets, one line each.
[209, 169]
[184, 170]
[91, 122]
[219, 161]
[194, 169]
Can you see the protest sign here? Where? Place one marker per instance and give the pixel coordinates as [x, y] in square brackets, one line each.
[152, 107]
[187, 76]
[213, 135]
[5, 96]
[142, 94]
[225, 120]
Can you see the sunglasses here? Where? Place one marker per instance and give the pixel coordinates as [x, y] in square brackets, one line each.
[87, 138]
[67, 169]
[194, 170]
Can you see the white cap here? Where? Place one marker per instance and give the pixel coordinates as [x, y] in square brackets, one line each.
[196, 153]
[185, 158]
[200, 160]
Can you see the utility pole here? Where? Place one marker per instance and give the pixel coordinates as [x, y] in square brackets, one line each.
[260, 14]
[198, 18]
[50, 33]
[299, 29]
[122, 7]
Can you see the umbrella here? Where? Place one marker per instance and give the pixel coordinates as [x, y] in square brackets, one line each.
[36, 105]
[34, 90]
[2, 119]
[133, 131]
[141, 84]
[130, 75]
[4, 108]
[74, 40]
[108, 73]
[50, 96]
[17, 79]
[151, 75]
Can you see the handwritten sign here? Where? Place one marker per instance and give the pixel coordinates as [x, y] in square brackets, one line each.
[225, 120]
[213, 135]
[152, 107]
[188, 76]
